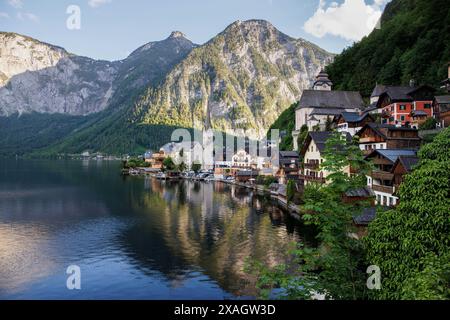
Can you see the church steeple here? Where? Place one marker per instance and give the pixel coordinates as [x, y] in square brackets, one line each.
[323, 82]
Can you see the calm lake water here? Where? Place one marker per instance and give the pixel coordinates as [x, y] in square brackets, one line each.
[134, 237]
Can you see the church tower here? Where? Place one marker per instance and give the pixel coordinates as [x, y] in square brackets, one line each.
[323, 82]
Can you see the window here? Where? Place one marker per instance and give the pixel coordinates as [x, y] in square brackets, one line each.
[402, 118]
[391, 201]
[384, 200]
[378, 199]
[402, 107]
[427, 106]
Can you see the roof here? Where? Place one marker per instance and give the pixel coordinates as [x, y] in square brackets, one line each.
[330, 99]
[322, 78]
[419, 113]
[402, 93]
[282, 190]
[399, 92]
[378, 90]
[289, 154]
[361, 192]
[408, 162]
[393, 154]
[320, 138]
[326, 111]
[354, 116]
[377, 127]
[367, 216]
[442, 99]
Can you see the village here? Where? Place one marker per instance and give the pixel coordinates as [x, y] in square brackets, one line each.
[390, 131]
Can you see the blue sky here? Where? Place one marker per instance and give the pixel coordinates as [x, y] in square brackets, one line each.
[111, 29]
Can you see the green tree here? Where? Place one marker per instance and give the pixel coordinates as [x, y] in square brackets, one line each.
[290, 190]
[410, 243]
[196, 167]
[168, 164]
[336, 267]
[429, 124]
[302, 136]
[329, 124]
[182, 166]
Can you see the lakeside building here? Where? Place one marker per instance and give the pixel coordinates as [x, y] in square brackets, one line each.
[187, 152]
[446, 82]
[312, 154]
[441, 107]
[319, 106]
[289, 167]
[375, 136]
[400, 104]
[390, 167]
[156, 161]
[352, 122]
[242, 161]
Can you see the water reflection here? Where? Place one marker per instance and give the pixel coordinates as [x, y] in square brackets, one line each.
[211, 226]
[135, 237]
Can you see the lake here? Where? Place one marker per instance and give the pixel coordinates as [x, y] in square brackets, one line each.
[132, 237]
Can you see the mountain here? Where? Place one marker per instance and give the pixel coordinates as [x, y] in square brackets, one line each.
[42, 78]
[241, 79]
[148, 65]
[40, 82]
[413, 43]
[38, 77]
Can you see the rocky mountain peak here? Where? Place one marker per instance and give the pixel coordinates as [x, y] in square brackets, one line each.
[177, 34]
[21, 53]
[254, 31]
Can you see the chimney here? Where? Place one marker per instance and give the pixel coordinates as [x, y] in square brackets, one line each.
[412, 83]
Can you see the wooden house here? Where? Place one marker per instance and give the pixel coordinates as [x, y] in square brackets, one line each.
[352, 122]
[382, 179]
[441, 107]
[375, 136]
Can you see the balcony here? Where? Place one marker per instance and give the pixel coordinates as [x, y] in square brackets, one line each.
[384, 189]
[386, 114]
[382, 175]
[311, 165]
[312, 179]
[368, 140]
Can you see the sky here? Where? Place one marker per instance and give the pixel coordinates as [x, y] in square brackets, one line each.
[112, 29]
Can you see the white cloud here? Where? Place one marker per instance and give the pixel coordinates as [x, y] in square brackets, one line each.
[351, 20]
[16, 3]
[98, 3]
[27, 16]
[4, 15]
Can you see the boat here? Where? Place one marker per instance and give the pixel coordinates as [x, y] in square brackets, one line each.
[161, 176]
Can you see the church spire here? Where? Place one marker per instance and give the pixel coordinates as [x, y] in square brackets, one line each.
[322, 82]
